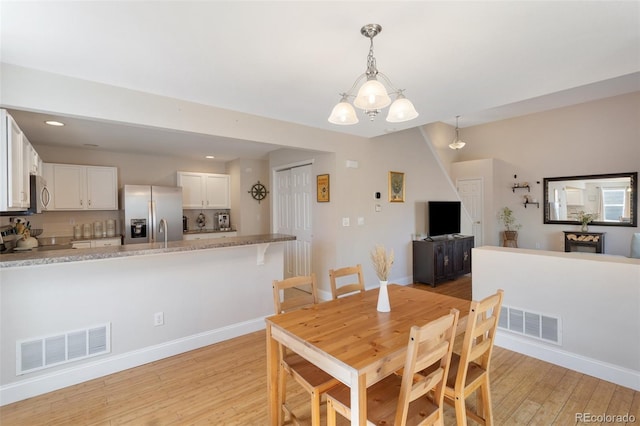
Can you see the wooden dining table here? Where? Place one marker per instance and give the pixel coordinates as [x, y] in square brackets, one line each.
[349, 339]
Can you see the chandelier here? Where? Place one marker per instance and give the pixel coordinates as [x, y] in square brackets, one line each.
[457, 143]
[372, 95]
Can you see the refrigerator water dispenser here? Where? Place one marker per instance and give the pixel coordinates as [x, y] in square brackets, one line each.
[138, 228]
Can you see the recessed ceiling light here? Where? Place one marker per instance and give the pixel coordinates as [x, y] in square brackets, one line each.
[54, 123]
[209, 156]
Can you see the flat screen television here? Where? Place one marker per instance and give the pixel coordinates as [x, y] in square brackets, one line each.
[444, 217]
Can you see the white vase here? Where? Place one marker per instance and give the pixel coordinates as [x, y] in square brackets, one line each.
[383, 298]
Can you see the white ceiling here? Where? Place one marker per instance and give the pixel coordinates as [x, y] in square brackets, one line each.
[482, 60]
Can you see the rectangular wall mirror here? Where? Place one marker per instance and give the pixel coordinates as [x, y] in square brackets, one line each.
[612, 197]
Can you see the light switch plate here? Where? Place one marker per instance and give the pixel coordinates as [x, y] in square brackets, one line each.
[360, 221]
[345, 221]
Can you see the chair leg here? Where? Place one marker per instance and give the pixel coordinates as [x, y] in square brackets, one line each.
[315, 408]
[480, 401]
[282, 395]
[331, 413]
[461, 411]
[487, 412]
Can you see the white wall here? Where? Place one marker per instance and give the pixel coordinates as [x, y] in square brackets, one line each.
[249, 216]
[597, 298]
[200, 293]
[352, 196]
[590, 138]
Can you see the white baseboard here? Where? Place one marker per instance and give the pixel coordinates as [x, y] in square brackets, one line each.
[108, 365]
[612, 373]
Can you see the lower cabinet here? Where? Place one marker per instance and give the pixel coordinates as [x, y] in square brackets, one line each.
[441, 259]
[207, 235]
[102, 242]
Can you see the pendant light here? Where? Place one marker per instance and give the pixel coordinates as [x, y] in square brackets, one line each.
[457, 143]
[372, 95]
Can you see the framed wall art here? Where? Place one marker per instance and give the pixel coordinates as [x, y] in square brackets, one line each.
[323, 188]
[396, 187]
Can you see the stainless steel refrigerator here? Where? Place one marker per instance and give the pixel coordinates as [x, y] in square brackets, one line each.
[144, 207]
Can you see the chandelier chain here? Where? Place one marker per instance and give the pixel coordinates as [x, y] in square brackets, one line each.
[372, 70]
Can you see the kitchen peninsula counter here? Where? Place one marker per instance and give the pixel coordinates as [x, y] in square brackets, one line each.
[45, 257]
[205, 291]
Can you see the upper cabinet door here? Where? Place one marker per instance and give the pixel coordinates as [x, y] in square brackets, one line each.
[17, 175]
[102, 188]
[68, 187]
[205, 190]
[75, 187]
[192, 190]
[217, 191]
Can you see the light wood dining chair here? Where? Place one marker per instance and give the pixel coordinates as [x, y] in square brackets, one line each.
[337, 277]
[410, 398]
[469, 370]
[311, 378]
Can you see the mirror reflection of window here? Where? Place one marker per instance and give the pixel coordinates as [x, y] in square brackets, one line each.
[613, 204]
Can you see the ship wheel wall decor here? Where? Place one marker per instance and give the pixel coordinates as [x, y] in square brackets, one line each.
[258, 192]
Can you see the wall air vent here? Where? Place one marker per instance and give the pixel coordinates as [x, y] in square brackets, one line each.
[536, 325]
[45, 352]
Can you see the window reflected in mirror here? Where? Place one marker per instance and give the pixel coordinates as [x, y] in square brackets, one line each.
[609, 199]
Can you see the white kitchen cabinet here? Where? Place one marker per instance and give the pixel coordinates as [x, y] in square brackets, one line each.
[102, 242]
[77, 187]
[15, 181]
[205, 190]
[32, 159]
[81, 244]
[106, 242]
[207, 235]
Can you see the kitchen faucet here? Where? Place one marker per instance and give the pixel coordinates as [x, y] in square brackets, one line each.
[163, 227]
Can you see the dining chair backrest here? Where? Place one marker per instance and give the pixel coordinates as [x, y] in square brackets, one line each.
[296, 298]
[341, 280]
[288, 296]
[429, 345]
[470, 370]
[479, 336]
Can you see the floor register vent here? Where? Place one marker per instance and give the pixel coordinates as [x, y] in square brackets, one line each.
[531, 324]
[49, 351]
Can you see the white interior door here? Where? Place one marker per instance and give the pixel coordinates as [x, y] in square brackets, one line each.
[302, 226]
[470, 191]
[283, 218]
[293, 217]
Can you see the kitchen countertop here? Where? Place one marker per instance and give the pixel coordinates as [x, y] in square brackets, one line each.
[44, 257]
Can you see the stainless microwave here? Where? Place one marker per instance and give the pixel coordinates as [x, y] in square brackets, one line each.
[39, 198]
[39, 194]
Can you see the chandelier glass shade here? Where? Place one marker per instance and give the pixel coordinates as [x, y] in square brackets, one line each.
[372, 95]
[343, 113]
[457, 142]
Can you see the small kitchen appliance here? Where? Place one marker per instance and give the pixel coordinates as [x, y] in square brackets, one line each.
[223, 222]
[185, 224]
[201, 220]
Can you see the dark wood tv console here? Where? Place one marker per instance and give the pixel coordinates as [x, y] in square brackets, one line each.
[441, 259]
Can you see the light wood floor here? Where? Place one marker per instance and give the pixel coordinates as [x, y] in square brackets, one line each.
[225, 384]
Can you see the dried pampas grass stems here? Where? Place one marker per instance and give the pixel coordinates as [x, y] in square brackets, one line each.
[382, 262]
